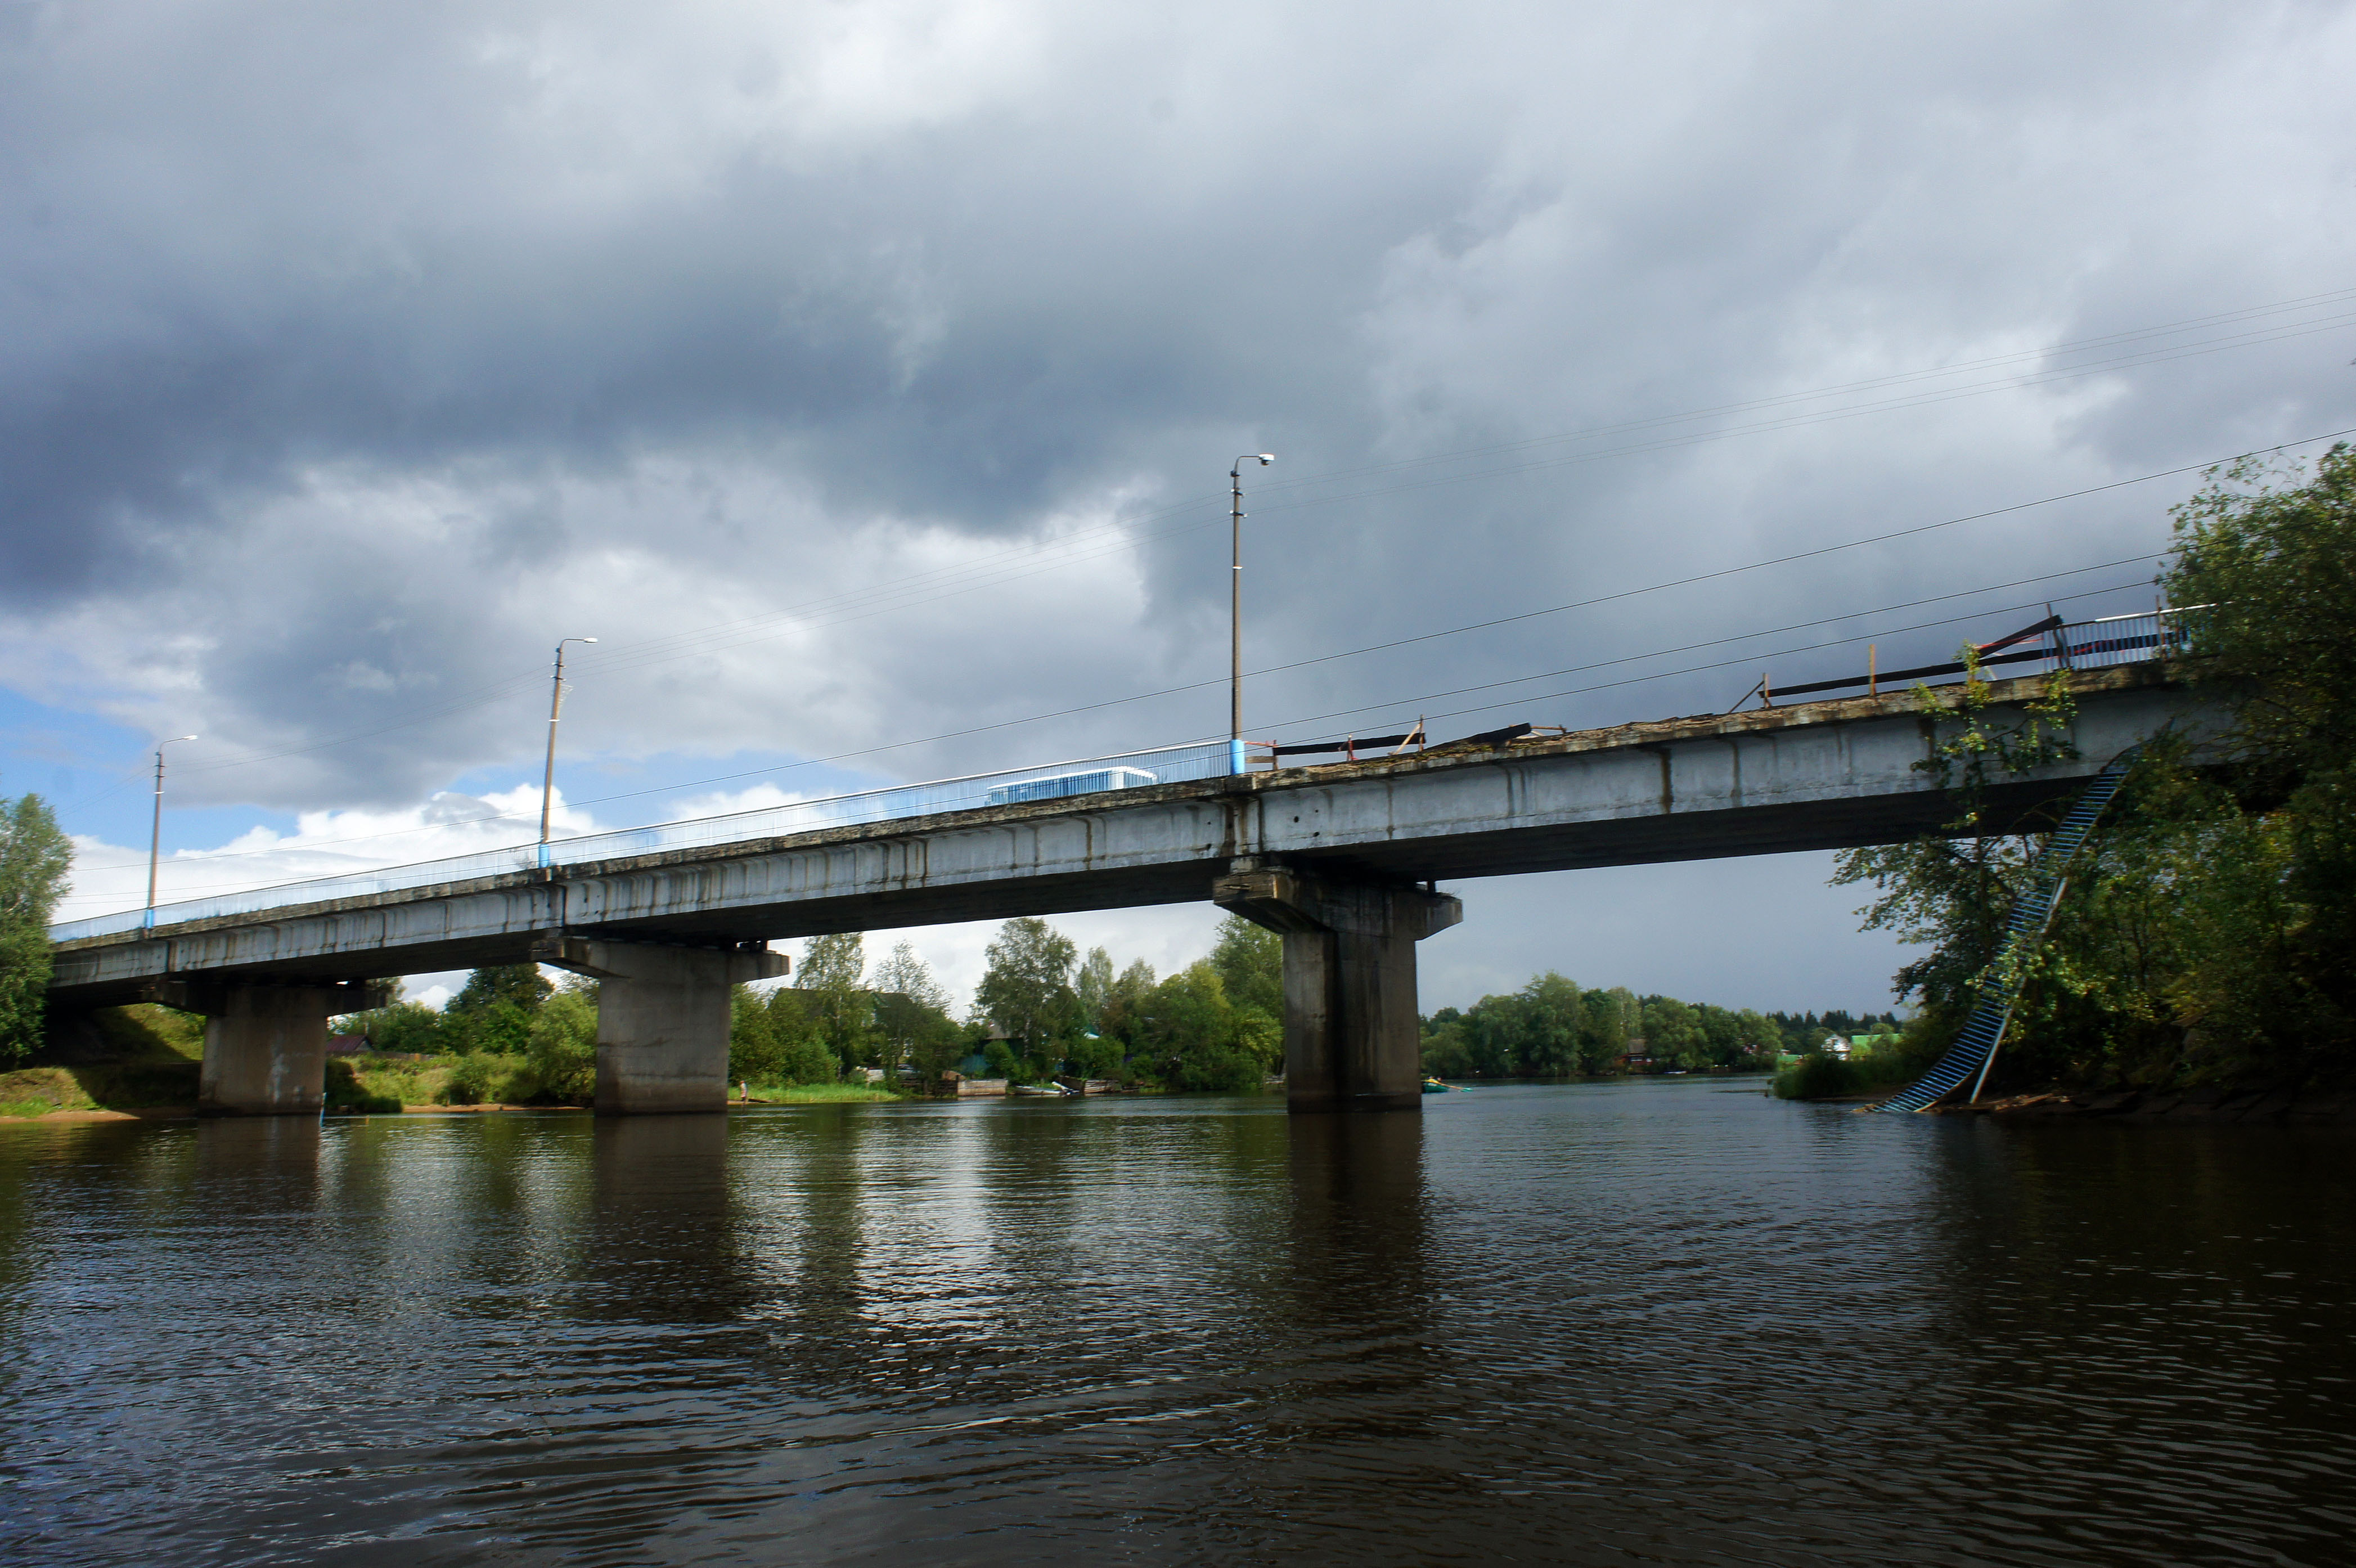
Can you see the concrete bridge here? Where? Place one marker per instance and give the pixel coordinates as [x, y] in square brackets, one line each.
[1342, 859]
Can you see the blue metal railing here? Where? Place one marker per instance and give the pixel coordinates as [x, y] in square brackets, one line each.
[1164, 764]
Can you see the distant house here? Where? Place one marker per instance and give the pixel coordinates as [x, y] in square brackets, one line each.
[348, 1045]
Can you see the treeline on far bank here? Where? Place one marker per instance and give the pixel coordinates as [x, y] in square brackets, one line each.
[1553, 1028]
[1042, 1011]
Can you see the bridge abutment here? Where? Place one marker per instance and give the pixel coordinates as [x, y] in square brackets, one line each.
[662, 1021]
[1352, 1034]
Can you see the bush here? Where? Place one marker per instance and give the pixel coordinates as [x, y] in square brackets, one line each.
[776, 1041]
[561, 1052]
[1816, 1076]
[346, 1092]
[409, 1027]
[471, 1081]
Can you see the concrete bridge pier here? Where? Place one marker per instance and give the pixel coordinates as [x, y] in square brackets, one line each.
[266, 1045]
[662, 1019]
[1352, 1034]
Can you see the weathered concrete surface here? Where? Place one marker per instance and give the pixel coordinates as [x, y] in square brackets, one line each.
[1352, 1032]
[266, 1051]
[662, 1022]
[1816, 776]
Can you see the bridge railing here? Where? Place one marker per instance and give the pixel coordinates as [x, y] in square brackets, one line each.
[2051, 644]
[1055, 781]
[2124, 639]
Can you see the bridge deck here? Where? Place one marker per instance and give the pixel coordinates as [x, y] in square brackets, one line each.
[1824, 775]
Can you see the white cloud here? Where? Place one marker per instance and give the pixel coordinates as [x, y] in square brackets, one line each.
[499, 828]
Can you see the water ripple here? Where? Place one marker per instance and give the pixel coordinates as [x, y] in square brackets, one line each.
[1629, 1324]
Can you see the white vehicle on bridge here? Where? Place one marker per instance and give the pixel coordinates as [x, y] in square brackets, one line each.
[1062, 784]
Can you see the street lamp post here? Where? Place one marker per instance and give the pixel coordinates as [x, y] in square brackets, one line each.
[155, 840]
[1236, 611]
[548, 778]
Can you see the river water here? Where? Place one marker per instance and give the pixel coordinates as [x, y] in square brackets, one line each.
[1656, 1322]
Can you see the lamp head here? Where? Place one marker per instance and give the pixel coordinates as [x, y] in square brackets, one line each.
[1266, 458]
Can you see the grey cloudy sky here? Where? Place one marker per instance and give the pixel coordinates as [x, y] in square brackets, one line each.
[863, 372]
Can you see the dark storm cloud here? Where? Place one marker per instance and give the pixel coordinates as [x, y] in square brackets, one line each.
[354, 354]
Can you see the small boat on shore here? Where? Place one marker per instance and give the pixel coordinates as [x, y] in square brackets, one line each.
[1044, 1091]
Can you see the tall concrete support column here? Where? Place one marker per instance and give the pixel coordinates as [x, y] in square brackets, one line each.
[1352, 1036]
[662, 1020]
[266, 1050]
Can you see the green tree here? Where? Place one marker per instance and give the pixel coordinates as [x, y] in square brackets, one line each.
[1188, 1031]
[1123, 1019]
[1093, 985]
[2204, 932]
[1673, 1032]
[1250, 962]
[754, 1053]
[2258, 868]
[1602, 1031]
[560, 1048]
[911, 1012]
[35, 856]
[834, 998]
[802, 1053]
[398, 1025]
[1551, 1018]
[1446, 1053]
[494, 1010]
[1953, 891]
[1027, 989]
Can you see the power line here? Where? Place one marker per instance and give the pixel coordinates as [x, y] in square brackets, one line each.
[921, 589]
[1485, 707]
[882, 598]
[1542, 675]
[1745, 660]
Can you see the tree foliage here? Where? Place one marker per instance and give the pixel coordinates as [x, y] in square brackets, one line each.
[1186, 1032]
[2205, 930]
[494, 1010]
[1027, 989]
[1249, 959]
[833, 998]
[35, 855]
[1551, 1028]
[561, 1045]
[1093, 985]
[777, 1039]
[911, 1016]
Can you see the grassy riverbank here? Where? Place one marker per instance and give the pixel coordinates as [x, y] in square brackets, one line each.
[821, 1094]
[149, 1059]
[123, 1059]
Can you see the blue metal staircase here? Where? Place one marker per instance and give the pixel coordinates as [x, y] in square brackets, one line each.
[1982, 1032]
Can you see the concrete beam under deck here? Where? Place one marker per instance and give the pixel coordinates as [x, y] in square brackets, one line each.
[1814, 775]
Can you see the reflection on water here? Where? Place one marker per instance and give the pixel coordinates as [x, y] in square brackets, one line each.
[1619, 1323]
